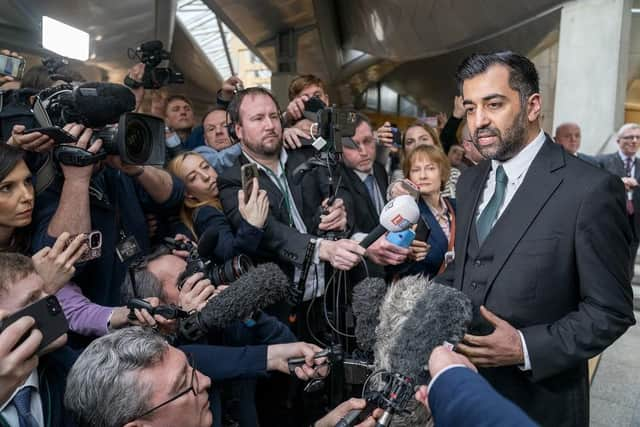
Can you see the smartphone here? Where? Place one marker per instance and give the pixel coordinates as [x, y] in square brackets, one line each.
[12, 66]
[423, 231]
[94, 242]
[247, 173]
[49, 318]
[397, 135]
[410, 189]
[59, 135]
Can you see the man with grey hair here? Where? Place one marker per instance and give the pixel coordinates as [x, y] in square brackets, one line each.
[568, 135]
[624, 164]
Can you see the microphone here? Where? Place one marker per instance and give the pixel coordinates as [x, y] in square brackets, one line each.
[101, 104]
[208, 242]
[397, 215]
[258, 288]
[366, 300]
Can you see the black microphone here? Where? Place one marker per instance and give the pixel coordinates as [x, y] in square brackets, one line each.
[258, 288]
[208, 242]
[415, 317]
[366, 301]
[102, 104]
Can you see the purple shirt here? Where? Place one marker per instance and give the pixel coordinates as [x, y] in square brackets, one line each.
[85, 317]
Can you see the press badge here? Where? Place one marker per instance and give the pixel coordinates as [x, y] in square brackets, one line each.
[128, 249]
[449, 257]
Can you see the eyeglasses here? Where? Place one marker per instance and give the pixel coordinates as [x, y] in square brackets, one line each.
[194, 387]
[631, 137]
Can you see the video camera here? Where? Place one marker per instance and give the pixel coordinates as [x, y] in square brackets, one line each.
[218, 274]
[151, 54]
[106, 108]
[334, 126]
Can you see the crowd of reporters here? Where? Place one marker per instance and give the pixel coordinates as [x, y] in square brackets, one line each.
[126, 365]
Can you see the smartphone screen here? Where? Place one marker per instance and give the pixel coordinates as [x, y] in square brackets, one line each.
[248, 172]
[49, 318]
[11, 66]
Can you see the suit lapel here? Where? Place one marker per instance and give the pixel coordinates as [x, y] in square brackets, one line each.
[539, 184]
[466, 215]
[361, 189]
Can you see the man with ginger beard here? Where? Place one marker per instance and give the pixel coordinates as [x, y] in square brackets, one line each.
[532, 223]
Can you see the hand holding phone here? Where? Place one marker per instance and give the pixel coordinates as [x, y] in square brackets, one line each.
[49, 320]
[247, 173]
[12, 66]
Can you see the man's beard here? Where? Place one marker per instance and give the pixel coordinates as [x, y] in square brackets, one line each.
[513, 142]
[263, 149]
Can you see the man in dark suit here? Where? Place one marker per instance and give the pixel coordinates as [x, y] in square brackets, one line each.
[569, 136]
[31, 389]
[534, 225]
[624, 164]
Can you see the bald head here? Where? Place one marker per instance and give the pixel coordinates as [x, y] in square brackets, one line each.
[568, 135]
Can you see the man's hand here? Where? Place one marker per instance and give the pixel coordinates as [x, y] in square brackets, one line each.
[397, 189]
[278, 355]
[336, 217]
[136, 73]
[343, 254]
[333, 417]
[441, 358]
[132, 170]
[500, 348]
[17, 362]
[181, 238]
[458, 108]
[80, 175]
[295, 109]
[195, 293]
[383, 252]
[256, 209]
[229, 87]
[629, 183]
[291, 137]
[55, 265]
[34, 141]
[385, 136]
[156, 322]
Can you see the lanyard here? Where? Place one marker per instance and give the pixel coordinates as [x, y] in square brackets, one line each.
[284, 189]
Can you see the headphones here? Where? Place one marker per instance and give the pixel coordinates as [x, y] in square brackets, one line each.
[233, 110]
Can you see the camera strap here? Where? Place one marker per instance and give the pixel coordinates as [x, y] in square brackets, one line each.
[127, 247]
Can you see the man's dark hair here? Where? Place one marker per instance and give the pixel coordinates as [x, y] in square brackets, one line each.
[236, 102]
[302, 82]
[212, 110]
[523, 76]
[363, 118]
[179, 97]
[144, 283]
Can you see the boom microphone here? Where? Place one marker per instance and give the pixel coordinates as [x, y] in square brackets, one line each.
[367, 298]
[397, 215]
[101, 104]
[415, 317]
[257, 289]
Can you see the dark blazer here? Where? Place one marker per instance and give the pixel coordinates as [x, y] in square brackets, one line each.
[587, 158]
[460, 397]
[281, 242]
[555, 266]
[614, 164]
[362, 209]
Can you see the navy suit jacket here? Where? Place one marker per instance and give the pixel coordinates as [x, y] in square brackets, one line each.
[460, 397]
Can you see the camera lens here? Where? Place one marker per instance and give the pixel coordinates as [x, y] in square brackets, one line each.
[95, 241]
[138, 141]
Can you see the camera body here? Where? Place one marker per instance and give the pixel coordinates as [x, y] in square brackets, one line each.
[333, 123]
[151, 54]
[218, 274]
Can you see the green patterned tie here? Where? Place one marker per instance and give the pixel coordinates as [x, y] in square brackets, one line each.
[490, 212]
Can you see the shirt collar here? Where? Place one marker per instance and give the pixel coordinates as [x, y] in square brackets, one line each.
[519, 164]
[362, 175]
[32, 380]
[623, 157]
[282, 161]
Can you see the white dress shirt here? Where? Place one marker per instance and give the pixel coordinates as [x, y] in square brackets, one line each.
[516, 169]
[8, 410]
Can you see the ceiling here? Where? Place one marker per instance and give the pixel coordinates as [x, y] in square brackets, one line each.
[411, 45]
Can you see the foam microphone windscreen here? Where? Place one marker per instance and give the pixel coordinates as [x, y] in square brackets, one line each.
[366, 301]
[101, 104]
[415, 317]
[260, 287]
